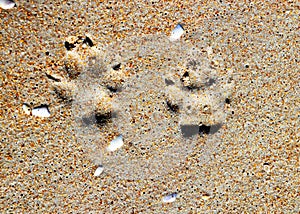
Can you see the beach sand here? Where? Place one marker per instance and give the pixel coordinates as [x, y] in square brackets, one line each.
[251, 164]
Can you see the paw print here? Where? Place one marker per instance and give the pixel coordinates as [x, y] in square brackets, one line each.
[162, 97]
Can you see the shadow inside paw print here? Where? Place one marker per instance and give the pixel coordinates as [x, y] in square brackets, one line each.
[190, 130]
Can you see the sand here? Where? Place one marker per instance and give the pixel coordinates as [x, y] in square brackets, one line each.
[251, 164]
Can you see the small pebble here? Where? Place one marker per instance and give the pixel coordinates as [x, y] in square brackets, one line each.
[99, 170]
[169, 198]
[26, 108]
[7, 4]
[115, 144]
[41, 111]
[176, 33]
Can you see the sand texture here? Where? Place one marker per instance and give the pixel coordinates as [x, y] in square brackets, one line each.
[211, 118]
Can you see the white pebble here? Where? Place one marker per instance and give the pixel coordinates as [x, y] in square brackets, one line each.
[176, 33]
[41, 111]
[26, 109]
[7, 4]
[115, 144]
[99, 171]
[169, 198]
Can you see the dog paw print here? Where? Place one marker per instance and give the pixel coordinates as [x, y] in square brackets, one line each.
[197, 92]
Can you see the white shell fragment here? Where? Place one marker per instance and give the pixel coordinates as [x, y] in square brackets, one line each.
[115, 144]
[205, 197]
[176, 33]
[26, 108]
[99, 170]
[169, 198]
[41, 111]
[7, 4]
